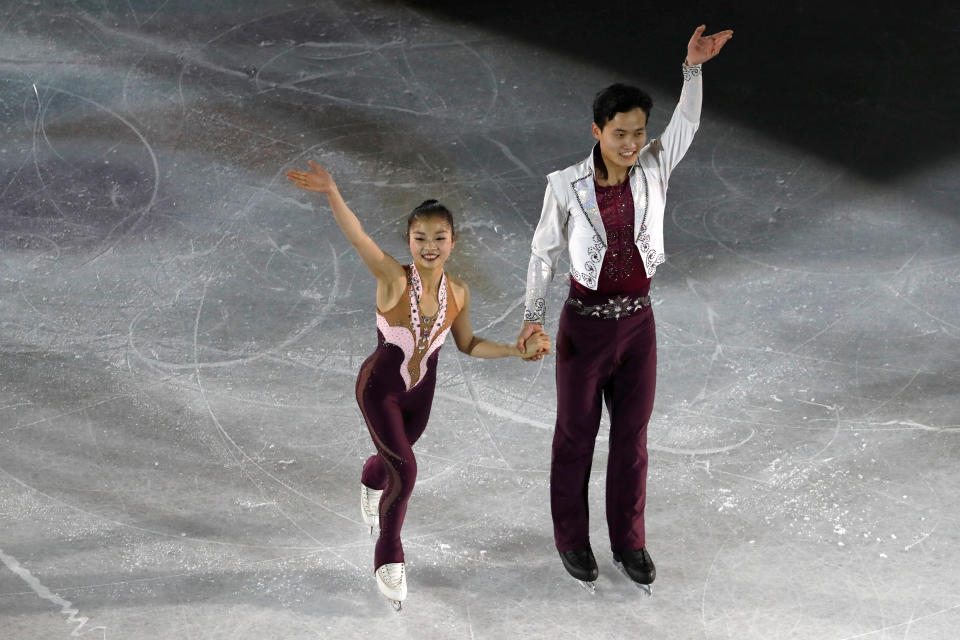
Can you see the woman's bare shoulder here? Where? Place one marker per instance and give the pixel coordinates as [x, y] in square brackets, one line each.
[459, 286]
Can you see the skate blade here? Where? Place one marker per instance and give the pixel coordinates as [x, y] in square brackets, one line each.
[590, 587]
[397, 605]
[646, 589]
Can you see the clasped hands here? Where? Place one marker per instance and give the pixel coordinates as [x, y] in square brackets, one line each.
[533, 344]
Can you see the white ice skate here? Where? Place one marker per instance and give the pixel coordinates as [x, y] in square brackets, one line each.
[392, 581]
[370, 506]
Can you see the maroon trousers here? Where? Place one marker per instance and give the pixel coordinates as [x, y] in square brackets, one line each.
[615, 359]
[396, 418]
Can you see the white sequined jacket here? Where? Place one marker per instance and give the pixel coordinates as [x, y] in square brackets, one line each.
[571, 218]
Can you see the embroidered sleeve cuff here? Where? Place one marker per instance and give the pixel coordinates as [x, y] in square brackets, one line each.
[539, 274]
[691, 96]
[691, 71]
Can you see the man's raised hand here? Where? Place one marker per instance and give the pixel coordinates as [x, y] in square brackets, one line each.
[701, 48]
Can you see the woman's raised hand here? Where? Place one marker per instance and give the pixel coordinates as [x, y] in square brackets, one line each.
[701, 48]
[318, 180]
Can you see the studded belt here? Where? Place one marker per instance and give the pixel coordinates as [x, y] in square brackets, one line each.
[614, 308]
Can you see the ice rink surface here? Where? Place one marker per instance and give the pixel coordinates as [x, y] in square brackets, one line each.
[180, 331]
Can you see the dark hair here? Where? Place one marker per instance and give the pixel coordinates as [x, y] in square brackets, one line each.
[430, 209]
[619, 98]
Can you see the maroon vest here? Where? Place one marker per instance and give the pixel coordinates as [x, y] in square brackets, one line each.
[622, 271]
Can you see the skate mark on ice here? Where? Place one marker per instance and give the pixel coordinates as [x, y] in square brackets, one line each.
[292, 339]
[718, 349]
[243, 454]
[476, 402]
[66, 607]
[704, 450]
[508, 153]
[906, 625]
[161, 534]
[156, 175]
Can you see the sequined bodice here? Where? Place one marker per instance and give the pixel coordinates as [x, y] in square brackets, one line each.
[418, 336]
[616, 210]
[622, 270]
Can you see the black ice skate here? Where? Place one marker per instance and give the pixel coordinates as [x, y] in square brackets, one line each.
[581, 564]
[638, 566]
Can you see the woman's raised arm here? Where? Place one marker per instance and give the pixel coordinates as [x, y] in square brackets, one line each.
[381, 264]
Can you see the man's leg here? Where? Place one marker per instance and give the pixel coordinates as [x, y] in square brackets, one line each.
[583, 359]
[629, 397]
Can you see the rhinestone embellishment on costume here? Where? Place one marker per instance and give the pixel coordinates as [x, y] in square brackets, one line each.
[416, 335]
[612, 309]
[618, 263]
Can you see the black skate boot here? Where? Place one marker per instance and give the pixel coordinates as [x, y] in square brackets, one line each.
[638, 566]
[581, 564]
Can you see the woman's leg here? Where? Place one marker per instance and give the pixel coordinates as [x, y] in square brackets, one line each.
[374, 473]
[417, 402]
[394, 460]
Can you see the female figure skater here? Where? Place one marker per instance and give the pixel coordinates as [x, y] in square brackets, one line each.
[417, 305]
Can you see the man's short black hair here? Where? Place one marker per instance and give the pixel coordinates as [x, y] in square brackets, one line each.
[619, 98]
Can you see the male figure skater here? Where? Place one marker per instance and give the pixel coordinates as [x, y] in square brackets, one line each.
[607, 212]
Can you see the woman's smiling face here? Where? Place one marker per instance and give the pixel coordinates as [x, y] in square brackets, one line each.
[431, 241]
